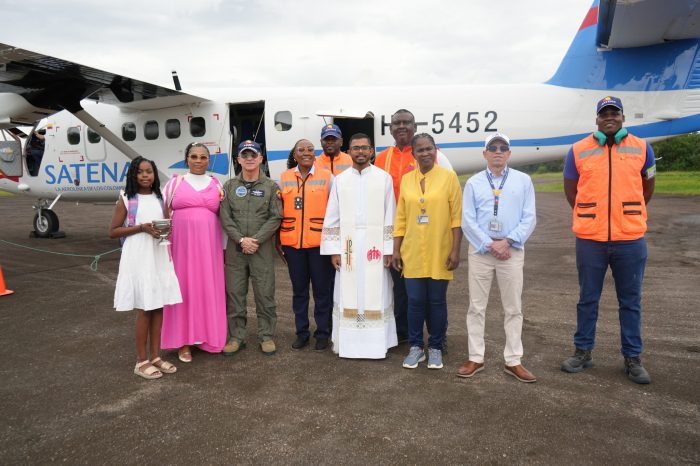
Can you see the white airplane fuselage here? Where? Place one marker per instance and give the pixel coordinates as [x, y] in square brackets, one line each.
[542, 121]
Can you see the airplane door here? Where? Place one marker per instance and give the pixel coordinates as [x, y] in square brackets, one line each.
[94, 146]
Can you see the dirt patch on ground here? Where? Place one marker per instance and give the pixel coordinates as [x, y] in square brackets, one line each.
[68, 393]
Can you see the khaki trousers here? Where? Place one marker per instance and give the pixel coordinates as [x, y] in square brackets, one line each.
[509, 275]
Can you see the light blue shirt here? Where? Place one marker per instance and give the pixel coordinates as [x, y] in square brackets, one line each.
[516, 209]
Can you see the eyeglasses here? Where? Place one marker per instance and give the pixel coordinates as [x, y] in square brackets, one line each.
[248, 155]
[360, 148]
[498, 148]
[196, 157]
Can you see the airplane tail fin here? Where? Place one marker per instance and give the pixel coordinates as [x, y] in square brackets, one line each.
[667, 66]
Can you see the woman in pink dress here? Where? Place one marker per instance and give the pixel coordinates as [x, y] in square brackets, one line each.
[197, 252]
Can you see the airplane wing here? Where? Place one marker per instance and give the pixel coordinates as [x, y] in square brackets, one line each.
[638, 23]
[33, 86]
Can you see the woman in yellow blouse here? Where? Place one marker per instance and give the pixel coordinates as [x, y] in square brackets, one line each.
[427, 237]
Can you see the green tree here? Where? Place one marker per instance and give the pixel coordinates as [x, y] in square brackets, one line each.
[681, 153]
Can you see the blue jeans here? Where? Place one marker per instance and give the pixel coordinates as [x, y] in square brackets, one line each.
[308, 265]
[627, 260]
[427, 302]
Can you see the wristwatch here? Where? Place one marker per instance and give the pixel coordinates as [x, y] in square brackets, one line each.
[510, 241]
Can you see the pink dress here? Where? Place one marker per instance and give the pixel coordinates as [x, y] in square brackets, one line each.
[197, 252]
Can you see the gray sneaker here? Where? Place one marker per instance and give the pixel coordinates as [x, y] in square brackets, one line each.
[579, 361]
[635, 372]
[415, 355]
[434, 358]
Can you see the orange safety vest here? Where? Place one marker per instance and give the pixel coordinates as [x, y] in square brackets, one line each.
[397, 163]
[304, 207]
[610, 197]
[337, 165]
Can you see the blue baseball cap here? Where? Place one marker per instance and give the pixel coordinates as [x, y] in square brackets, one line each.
[249, 145]
[331, 130]
[609, 101]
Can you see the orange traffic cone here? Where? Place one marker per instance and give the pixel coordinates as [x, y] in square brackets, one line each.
[3, 291]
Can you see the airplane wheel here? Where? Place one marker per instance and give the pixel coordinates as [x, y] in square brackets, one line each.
[45, 223]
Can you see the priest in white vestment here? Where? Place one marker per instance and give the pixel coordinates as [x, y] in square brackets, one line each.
[358, 235]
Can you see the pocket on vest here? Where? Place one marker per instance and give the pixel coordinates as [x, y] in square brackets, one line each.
[632, 218]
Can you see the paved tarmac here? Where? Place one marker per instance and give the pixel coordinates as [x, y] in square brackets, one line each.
[68, 394]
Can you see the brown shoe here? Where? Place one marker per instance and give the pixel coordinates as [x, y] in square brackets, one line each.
[520, 373]
[469, 368]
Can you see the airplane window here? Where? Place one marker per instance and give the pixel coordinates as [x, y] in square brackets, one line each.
[73, 135]
[93, 137]
[197, 127]
[128, 131]
[150, 130]
[283, 121]
[172, 128]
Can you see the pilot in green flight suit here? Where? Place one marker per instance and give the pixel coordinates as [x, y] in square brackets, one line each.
[250, 215]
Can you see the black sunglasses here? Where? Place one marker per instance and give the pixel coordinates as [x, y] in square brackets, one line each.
[497, 148]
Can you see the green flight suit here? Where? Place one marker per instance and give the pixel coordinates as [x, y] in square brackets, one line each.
[253, 210]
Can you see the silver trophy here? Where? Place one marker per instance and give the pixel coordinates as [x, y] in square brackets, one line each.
[163, 226]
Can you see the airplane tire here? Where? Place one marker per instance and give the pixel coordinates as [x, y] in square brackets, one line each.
[45, 223]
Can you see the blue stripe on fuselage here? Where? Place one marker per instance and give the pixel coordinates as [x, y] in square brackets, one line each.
[669, 128]
[218, 163]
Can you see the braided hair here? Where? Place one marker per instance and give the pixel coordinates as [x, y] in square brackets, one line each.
[132, 184]
[291, 161]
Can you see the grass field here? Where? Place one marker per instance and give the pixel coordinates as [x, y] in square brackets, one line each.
[678, 183]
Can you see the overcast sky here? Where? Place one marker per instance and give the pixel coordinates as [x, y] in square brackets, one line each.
[230, 43]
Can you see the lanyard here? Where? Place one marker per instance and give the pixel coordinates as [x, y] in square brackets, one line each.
[496, 192]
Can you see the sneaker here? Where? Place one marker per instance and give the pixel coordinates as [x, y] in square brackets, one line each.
[233, 347]
[268, 347]
[300, 342]
[579, 361]
[415, 355]
[635, 372]
[434, 358]
[321, 344]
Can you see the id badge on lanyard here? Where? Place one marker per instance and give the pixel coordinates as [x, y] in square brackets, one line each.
[495, 225]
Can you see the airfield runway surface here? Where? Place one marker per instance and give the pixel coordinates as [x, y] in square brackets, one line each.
[68, 394]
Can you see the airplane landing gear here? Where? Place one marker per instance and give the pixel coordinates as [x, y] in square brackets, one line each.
[46, 221]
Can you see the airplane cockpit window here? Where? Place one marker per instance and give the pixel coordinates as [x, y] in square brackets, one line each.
[150, 130]
[73, 134]
[172, 128]
[197, 127]
[93, 137]
[129, 131]
[283, 120]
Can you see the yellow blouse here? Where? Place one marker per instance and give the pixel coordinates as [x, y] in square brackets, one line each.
[426, 246]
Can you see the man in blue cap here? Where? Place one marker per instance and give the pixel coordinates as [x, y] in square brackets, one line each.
[608, 181]
[250, 215]
[332, 158]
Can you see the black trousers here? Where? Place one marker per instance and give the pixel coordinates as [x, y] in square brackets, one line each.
[307, 266]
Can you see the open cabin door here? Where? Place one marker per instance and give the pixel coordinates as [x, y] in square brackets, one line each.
[247, 122]
[350, 122]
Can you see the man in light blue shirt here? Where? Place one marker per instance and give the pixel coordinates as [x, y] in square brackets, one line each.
[498, 216]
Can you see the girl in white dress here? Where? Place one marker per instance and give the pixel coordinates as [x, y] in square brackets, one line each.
[147, 279]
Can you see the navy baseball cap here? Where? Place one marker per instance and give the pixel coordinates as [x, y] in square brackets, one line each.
[609, 101]
[331, 130]
[249, 145]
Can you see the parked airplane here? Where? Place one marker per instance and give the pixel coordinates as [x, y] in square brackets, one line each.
[645, 52]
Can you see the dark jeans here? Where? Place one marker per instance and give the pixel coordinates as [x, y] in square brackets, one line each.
[427, 298]
[306, 265]
[627, 260]
[400, 304]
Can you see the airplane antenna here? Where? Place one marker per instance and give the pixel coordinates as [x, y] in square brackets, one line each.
[176, 80]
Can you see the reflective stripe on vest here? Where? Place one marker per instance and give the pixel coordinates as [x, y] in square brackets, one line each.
[610, 195]
[301, 228]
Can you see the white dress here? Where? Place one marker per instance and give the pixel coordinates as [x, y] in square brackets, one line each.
[147, 277]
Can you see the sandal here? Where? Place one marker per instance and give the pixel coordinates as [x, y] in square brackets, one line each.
[184, 355]
[164, 366]
[150, 373]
